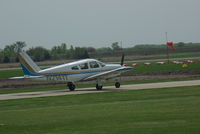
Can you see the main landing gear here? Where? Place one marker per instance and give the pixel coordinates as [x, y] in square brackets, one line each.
[99, 85]
[71, 86]
[117, 84]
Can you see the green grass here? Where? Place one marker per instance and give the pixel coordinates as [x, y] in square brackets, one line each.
[32, 89]
[165, 67]
[171, 55]
[182, 55]
[10, 73]
[153, 111]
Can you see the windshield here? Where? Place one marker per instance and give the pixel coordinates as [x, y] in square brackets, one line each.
[94, 64]
[102, 64]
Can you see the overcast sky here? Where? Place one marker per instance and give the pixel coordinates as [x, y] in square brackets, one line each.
[98, 23]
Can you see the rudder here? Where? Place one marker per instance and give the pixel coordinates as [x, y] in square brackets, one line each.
[28, 66]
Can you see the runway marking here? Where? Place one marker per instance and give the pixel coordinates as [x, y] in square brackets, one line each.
[93, 90]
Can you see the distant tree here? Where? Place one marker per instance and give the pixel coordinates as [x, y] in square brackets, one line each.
[15, 47]
[86, 55]
[115, 46]
[64, 47]
[90, 49]
[10, 51]
[104, 49]
[1, 55]
[16, 59]
[39, 53]
[18, 46]
[71, 48]
[6, 59]
[71, 52]
[60, 52]
[80, 53]
[180, 44]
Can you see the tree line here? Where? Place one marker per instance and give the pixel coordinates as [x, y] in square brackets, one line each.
[64, 51]
[9, 53]
[147, 49]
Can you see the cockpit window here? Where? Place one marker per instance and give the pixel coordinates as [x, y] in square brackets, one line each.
[94, 64]
[84, 66]
[75, 68]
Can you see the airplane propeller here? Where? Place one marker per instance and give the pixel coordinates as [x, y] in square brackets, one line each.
[122, 60]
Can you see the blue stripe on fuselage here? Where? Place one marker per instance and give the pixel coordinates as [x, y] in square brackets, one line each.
[27, 72]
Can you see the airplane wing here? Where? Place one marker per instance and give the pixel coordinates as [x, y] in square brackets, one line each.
[109, 74]
[29, 77]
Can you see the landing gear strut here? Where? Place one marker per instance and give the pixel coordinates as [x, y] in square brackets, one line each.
[99, 85]
[71, 86]
[117, 84]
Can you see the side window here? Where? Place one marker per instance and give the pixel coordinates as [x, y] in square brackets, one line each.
[75, 68]
[94, 64]
[84, 66]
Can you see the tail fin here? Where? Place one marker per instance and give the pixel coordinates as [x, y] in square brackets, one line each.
[28, 66]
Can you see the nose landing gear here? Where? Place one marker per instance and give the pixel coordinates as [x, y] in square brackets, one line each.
[99, 85]
[117, 84]
[71, 86]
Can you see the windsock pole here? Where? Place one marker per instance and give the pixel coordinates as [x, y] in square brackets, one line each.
[167, 47]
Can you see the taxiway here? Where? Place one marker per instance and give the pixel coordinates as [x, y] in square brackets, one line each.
[93, 90]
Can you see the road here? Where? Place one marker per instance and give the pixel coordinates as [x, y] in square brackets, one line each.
[92, 90]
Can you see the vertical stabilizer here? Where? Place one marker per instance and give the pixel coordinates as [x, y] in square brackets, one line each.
[28, 66]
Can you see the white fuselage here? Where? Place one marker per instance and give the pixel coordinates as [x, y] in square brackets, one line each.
[77, 71]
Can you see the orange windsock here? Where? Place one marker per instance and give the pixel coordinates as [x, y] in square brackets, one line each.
[171, 44]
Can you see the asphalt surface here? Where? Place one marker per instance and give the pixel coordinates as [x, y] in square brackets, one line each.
[93, 90]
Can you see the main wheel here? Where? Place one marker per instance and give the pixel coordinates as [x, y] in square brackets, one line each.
[117, 85]
[71, 86]
[98, 87]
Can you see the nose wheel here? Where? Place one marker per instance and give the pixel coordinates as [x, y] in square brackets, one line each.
[99, 87]
[99, 84]
[71, 86]
[117, 85]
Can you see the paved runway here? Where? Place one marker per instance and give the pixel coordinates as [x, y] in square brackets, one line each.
[93, 90]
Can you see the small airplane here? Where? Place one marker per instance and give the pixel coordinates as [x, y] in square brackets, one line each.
[82, 70]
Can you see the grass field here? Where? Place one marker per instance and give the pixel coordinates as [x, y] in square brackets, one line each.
[153, 111]
[10, 73]
[171, 55]
[141, 68]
